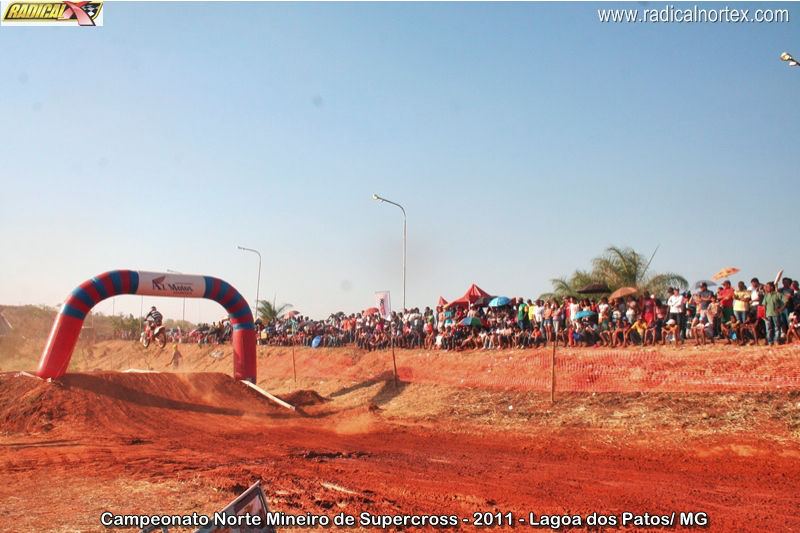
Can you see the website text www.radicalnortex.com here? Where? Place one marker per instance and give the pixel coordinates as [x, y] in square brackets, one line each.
[673, 14]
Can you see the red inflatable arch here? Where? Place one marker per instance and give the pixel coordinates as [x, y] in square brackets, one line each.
[68, 323]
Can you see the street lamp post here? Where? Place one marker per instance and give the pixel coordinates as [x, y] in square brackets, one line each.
[258, 285]
[786, 56]
[183, 315]
[376, 197]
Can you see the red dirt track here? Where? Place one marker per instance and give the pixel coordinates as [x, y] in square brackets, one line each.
[167, 443]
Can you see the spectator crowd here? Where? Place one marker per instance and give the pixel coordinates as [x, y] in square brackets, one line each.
[742, 314]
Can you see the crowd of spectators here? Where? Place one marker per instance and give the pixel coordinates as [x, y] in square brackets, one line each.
[732, 315]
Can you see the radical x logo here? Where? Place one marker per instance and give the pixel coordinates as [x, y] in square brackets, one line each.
[158, 284]
[46, 13]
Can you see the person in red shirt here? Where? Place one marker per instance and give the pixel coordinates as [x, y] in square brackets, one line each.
[648, 308]
[725, 296]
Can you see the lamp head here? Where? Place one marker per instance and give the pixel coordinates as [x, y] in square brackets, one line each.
[376, 197]
[786, 56]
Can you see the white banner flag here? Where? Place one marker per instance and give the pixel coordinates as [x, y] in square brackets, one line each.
[384, 304]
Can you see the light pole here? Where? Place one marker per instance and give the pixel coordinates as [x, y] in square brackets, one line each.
[376, 197]
[183, 316]
[258, 285]
[786, 56]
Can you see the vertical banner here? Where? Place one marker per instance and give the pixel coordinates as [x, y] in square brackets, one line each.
[383, 304]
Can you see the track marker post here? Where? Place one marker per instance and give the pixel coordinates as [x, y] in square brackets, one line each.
[268, 395]
[553, 372]
[394, 362]
[294, 368]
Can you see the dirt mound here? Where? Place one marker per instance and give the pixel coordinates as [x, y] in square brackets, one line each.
[303, 398]
[124, 403]
[25, 404]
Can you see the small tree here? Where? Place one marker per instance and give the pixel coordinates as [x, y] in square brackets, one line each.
[618, 267]
[127, 327]
[267, 311]
[624, 267]
[568, 287]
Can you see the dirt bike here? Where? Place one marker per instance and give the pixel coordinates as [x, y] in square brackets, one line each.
[159, 334]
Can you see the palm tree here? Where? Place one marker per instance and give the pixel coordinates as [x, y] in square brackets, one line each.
[267, 311]
[624, 267]
[618, 267]
[568, 287]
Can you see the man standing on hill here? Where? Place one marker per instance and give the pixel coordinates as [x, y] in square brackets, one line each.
[677, 308]
[725, 296]
[788, 296]
[522, 315]
[703, 299]
[756, 293]
[774, 302]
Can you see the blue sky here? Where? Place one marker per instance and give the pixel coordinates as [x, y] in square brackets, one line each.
[521, 138]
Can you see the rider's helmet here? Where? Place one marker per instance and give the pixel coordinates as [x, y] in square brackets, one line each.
[153, 308]
[174, 346]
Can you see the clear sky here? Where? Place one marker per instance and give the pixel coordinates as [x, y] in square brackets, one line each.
[521, 138]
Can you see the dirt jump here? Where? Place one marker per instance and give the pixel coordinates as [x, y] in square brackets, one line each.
[649, 440]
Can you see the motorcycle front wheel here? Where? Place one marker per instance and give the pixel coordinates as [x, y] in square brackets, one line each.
[161, 339]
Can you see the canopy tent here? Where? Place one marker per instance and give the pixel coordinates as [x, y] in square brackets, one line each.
[473, 295]
[442, 302]
[594, 288]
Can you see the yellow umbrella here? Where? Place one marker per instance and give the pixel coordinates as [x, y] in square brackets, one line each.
[724, 273]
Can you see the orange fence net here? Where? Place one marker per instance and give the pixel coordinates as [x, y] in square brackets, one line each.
[689, 369]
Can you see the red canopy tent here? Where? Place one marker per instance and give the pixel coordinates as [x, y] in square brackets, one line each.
[473, 294]
[442, 302]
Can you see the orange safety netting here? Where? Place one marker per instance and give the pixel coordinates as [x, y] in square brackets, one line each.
[582, 370]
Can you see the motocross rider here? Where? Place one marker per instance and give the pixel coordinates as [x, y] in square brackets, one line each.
[154, 317]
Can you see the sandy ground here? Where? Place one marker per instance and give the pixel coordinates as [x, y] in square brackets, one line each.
[651, 431]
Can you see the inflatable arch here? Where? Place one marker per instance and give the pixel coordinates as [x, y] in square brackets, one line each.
[68, 323]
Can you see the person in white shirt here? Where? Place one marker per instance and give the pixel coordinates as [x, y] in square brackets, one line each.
[756, 292]
[677, 308]
[574, 307]
[602, 306]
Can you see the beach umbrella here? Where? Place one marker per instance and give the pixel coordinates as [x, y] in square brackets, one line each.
[623, 292]
[291, 313]
[482, 301]
[370, 310]
[708, 283]
[724, 273]
[594, 288]
[471, 321]
[499, 301]
[584, 314]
